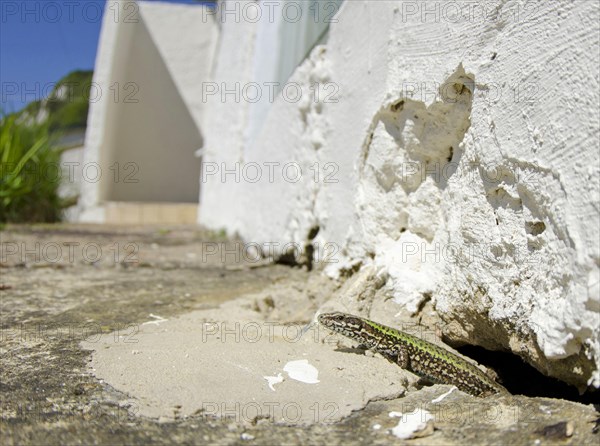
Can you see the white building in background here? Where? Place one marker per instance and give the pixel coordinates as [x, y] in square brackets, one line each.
[146, 118]
[452, 146]
[156, 91]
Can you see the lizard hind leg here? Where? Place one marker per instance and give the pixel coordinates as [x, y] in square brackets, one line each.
[403, 359]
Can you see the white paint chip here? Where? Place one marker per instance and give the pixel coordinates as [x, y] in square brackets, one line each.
[157, 321]
[272, 380]
[302, 371]
[444, 395]
[412, 425]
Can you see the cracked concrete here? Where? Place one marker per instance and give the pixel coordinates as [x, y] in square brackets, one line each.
[149, 392]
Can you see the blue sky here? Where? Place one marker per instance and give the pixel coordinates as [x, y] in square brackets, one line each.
[41, 41]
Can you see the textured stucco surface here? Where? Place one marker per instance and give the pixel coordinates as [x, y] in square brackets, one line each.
[466, 167]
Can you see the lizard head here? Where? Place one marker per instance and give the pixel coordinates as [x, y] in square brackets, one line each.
[343, 323]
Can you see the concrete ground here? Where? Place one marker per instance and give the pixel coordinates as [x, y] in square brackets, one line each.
[158, 335]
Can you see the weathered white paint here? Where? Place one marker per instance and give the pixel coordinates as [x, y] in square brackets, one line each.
[501, 229]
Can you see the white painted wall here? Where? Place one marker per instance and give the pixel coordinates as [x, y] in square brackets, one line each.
[146, 123]
[504, 235]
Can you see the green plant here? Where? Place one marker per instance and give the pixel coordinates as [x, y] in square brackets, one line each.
[29, 172]
[68, 102]
[66, 105]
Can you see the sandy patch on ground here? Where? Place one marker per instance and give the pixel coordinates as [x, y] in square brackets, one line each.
[216, 363]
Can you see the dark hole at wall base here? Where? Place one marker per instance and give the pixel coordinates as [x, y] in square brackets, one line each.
[309, 248]
[291, 257]
[522, 379]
